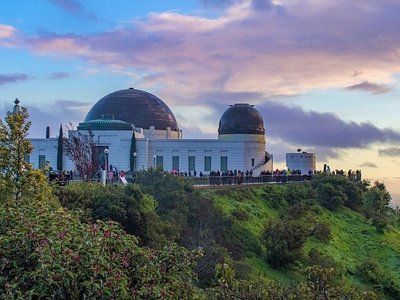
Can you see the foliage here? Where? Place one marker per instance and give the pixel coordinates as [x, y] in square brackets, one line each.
[51, 254]
[334, 191]
[284, 240]
[376, 206]
[322, 231]
[172, 194]
[18, 181]
[321, 283]
[127, 205]
[330, 197]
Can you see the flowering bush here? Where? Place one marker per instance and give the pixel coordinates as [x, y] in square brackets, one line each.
[47, 253]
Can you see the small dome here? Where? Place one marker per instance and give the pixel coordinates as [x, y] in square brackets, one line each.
[104, 124]
[241, 118]
[134, 107]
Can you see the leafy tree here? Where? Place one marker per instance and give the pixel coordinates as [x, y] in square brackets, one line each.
[284, 240]
[376, 206]
[17, 178]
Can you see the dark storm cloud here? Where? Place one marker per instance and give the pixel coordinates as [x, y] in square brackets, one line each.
[321, 129]
[12, 78]
[59, 75]
[304, 128]
[393, 151]
[370, 87]
[368, 164]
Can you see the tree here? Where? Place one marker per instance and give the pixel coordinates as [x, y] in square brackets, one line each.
[330, 197]
[79, 149]
[376, 206]
[60, 149]
[14, 148]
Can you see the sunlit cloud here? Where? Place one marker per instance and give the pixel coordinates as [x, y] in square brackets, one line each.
[6, 31]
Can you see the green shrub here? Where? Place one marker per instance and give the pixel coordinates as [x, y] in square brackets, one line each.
[49, 254]
[284, 240]
[322, 231]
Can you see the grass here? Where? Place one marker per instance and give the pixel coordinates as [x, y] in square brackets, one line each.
[354, 240]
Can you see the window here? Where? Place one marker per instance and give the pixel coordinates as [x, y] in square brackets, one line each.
[175, 163]
[42, 161]
[252, 162]
[207, 163]
[159, 161]
[192, 163]
[27, 158]
[224, 163]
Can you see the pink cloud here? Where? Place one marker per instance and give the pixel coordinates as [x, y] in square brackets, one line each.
[7, 31]
[301, 46]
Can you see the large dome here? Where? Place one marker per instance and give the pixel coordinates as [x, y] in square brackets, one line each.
[134, 107]
[241, 118]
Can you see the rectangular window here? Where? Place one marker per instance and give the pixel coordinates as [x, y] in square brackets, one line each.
[224, 163]
[42, 161]
[252, 162]
[192, 163]
[207, 163]
[27, 158]
[159, 161]
[175, 163]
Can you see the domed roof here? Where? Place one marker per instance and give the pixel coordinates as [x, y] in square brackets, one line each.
[134, 107]
[104, 124]
[241, 118]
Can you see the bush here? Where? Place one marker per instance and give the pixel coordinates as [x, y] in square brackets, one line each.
[322, 231]
[330, 197]
[48, 254]
[127, 205]
[284, 240]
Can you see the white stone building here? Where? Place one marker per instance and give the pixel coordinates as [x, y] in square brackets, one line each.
[158, 142]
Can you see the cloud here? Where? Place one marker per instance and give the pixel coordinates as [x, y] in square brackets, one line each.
[393, 151]
[59, 75]
[6, 31]
[12, 78]
[370, 87]
[302, 128]
[71, 6]
[247, 50]
[368, 164]
[61, 111]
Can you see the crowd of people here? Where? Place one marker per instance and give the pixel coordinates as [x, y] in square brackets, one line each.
[229, 177]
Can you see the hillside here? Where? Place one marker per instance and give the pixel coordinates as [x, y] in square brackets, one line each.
[364, 256]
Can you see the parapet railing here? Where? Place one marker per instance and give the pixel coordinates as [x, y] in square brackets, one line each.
[238, 180]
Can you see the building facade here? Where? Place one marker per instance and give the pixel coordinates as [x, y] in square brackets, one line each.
[134, 130]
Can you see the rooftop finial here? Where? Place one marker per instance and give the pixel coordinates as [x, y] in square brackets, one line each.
[17, 108]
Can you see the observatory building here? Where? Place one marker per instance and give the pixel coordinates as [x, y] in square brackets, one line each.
[135, 130]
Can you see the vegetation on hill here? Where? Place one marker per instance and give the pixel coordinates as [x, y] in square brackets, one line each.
[159, 238]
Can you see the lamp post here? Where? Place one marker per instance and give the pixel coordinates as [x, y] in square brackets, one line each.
[105, 171]
[154, 161]
[134, 161]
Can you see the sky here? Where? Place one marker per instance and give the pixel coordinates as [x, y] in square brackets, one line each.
[325, 74]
